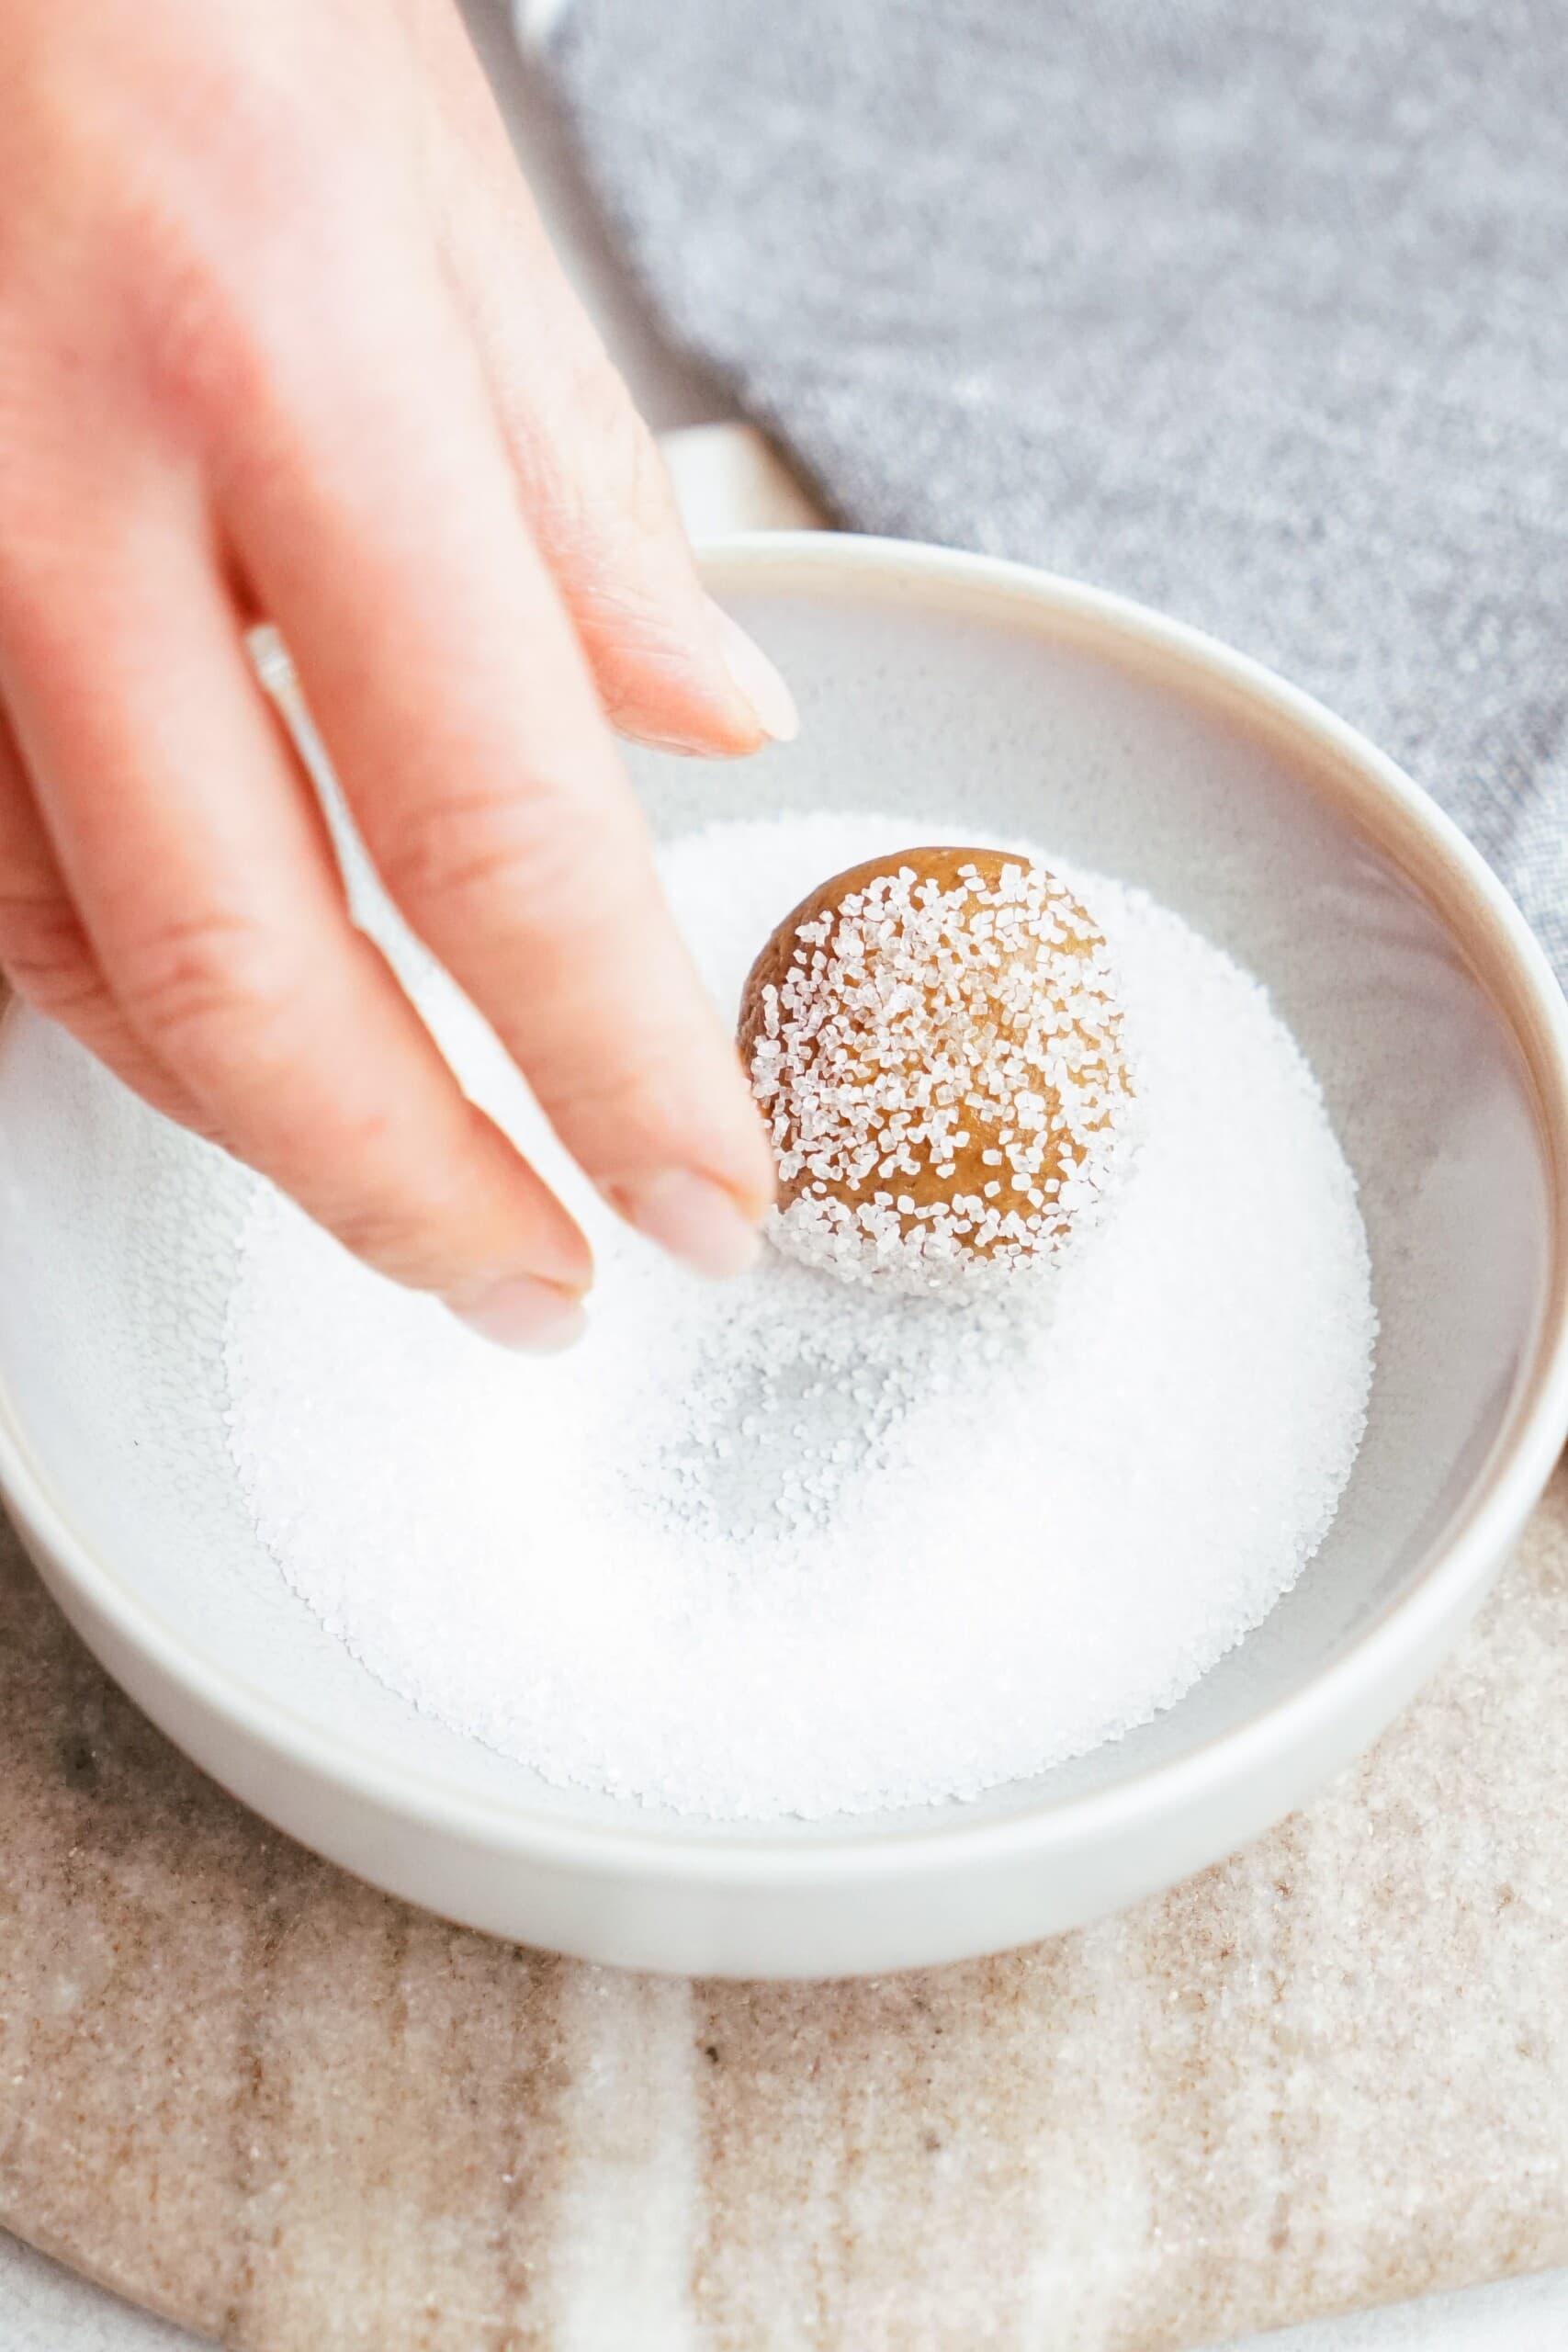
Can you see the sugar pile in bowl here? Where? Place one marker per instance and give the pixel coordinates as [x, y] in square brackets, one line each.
[792, 1547]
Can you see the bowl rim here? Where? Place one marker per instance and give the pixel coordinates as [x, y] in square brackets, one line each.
[1458, 1560]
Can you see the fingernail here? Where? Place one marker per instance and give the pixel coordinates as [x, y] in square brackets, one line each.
[693, 1218]
[758, 680]
[523, 1312]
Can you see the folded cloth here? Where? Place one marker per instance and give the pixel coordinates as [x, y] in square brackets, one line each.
[1256, 313]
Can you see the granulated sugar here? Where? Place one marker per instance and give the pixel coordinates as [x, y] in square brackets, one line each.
[792, 1547]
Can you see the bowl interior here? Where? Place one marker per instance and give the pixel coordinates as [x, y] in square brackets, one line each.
[940, 697]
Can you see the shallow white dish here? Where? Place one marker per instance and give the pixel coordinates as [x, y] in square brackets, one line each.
[1130, 745]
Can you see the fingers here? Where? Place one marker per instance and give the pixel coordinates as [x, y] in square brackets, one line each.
[452, 695]
[670, 666]
[48, 959]
[214, 911]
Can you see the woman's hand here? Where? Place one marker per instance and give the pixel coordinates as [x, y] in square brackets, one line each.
[280, 335]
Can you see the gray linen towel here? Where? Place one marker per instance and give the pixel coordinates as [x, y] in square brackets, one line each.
[1257, 311]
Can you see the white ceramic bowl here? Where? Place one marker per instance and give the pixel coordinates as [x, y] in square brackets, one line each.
[1131, 745]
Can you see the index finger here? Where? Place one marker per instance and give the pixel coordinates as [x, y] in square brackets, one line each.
[458, 711]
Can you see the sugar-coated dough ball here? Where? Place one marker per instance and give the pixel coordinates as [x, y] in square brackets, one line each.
[935, 1040]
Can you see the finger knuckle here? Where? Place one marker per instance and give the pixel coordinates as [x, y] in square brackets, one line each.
[628, 1099]
[205, 985]
[221, 262]
[645, 498]
[46, 952]
[472, 855]
[205, 325]
[621, 485]
[392, 1237]
[410, 1220]
[389, 1190]
[202, 364]
[633, 467]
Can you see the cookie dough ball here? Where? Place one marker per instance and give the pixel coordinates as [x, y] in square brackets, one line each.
[935, 1041]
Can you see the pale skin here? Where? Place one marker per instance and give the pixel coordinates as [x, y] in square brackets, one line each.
[280, 336]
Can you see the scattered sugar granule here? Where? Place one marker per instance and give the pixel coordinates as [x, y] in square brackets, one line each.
[793, 1547]
[915, 1024]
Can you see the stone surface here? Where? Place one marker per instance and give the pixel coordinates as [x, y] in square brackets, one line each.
[249, 2093]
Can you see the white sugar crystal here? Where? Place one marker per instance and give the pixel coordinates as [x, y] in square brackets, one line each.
[788, 1546]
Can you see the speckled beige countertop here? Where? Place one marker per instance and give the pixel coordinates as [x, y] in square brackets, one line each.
[249, 2092]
